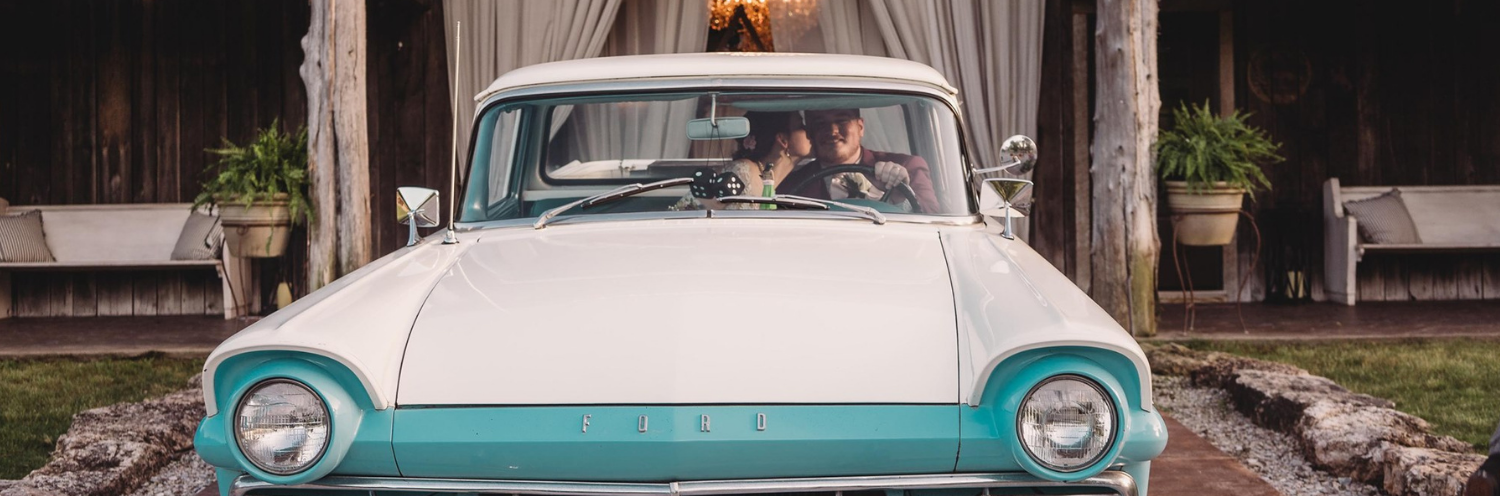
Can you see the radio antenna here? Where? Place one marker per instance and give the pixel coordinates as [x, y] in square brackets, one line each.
[458, 65]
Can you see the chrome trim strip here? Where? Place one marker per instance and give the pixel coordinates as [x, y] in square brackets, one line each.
[572, 219]
[1119, 482]
[936, 220]
[956, 220]
[705, 82]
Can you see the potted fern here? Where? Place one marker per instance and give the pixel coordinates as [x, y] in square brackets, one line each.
[1209, 164]
[260, 190]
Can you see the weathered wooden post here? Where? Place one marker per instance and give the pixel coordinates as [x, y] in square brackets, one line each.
[1124, 187]
[333, 69]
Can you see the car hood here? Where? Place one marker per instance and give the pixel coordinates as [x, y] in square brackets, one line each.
[702, 311]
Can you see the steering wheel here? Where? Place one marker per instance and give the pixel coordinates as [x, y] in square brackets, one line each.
[901, 188]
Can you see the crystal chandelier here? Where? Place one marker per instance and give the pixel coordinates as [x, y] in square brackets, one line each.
[792, 17]
[720, 12]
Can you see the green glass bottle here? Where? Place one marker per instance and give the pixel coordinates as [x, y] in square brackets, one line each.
[769, 190]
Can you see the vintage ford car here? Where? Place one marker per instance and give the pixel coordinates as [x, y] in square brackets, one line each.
[627, 306]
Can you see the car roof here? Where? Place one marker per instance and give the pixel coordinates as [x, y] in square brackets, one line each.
[722, 64]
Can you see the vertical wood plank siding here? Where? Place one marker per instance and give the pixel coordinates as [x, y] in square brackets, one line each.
[410, 117]
[111, 102]
[116, 102]
[1347, 98]
[1054, 194]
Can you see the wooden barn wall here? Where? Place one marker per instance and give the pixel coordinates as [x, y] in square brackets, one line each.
[1373, 93]
[1060, 218]
[115, 102]
[410, 118]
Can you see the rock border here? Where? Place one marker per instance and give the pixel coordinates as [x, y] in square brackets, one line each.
[1349, 434]
[115, 449]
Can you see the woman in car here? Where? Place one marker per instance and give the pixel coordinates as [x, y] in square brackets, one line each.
[776, 144]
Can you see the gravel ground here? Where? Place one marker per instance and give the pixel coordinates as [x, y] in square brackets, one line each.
[1271, 454]
[1205, 411]
[185, 476]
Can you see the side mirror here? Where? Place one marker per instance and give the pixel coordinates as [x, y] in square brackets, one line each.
[1009, 190]
[417, 207]
[1019, 153]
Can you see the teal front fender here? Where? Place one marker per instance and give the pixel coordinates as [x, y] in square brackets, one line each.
[991, 443]
[361, 441]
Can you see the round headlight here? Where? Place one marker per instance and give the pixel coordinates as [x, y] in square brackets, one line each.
[282, 426]
[1066, 423]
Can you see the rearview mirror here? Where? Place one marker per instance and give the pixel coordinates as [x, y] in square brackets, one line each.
[417, 207]
[718, 128]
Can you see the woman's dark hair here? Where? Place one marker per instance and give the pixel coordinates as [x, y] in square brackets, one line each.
[764, 126]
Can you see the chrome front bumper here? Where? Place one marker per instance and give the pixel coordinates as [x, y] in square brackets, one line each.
[1118, 482]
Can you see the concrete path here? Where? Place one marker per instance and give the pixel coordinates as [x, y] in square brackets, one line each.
[1368, 320]
[121, 336]
[1192, 467]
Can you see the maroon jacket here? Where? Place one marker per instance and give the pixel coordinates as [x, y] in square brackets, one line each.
[921, 177]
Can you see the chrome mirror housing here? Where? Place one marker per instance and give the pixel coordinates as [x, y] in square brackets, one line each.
[417, 207]
[1009, 190]
[1019, 154]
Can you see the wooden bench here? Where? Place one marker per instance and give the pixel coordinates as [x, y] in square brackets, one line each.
[1448, 219]
[125, 237]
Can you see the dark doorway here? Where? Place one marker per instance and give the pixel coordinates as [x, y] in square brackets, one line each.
[1188, 62]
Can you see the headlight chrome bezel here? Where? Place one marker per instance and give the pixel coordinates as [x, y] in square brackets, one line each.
[240, 442]
[1114, 418]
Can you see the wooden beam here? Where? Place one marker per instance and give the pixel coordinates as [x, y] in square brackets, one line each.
[1231, 254]
[321, 150]
[350, 123]
[1124, 185]
[333, 70]
[1226, 62]
[6, 301]
[1082, 196]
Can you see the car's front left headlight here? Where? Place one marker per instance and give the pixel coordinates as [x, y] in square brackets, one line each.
[282, 426]
[1066, 423]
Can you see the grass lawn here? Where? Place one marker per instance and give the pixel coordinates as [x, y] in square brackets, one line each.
[38, 398]
[1452, 383]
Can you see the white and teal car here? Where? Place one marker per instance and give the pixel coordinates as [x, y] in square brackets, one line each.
[606, 317]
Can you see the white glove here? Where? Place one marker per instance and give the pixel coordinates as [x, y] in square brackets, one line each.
[889, 174]
[851, 185]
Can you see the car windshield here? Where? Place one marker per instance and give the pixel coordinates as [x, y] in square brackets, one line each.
[895, 153]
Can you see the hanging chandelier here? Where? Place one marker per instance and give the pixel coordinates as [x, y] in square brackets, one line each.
[794, 17]
[721, 12]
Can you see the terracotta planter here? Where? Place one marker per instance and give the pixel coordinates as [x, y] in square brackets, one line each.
[1207, 217]
[258, 231]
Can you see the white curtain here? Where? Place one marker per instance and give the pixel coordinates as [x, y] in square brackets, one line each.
[990, 50]
[659, 26]
[655, 129]
[500, 35]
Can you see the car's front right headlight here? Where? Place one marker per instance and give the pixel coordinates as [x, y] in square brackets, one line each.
[1066, 423]
[282, 426]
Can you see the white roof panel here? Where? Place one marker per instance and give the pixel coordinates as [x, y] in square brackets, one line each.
[717, 65]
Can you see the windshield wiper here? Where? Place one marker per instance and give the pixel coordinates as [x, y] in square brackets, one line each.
[794, 201]
[778, 200]
[609, 196]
